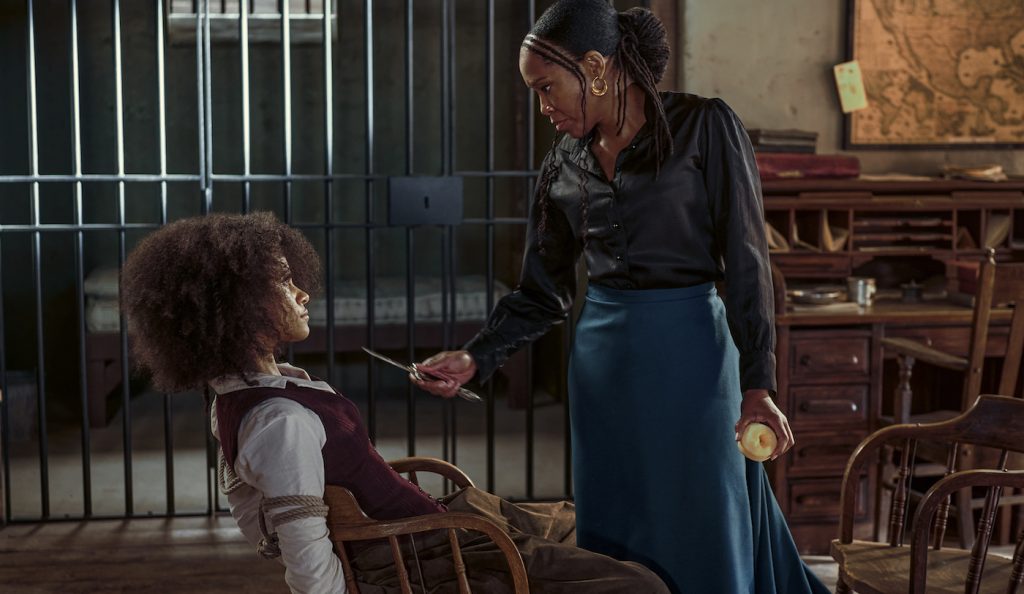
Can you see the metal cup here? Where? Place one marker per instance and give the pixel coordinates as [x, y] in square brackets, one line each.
[860, 289]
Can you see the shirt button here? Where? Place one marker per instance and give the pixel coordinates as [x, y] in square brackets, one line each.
[616, 226]
[619, 258]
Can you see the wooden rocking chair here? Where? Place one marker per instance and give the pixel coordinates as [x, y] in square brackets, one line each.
[890, 567]
[347, 522]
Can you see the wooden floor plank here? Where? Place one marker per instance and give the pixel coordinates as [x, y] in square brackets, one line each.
[153, 555]
[179, 555]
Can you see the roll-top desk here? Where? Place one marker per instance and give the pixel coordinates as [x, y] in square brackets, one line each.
[832, 378]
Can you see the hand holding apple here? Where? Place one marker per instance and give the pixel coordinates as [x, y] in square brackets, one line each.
[758, 442]
[758, 408]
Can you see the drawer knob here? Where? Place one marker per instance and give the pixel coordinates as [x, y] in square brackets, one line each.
[805, 360]
[855, 359]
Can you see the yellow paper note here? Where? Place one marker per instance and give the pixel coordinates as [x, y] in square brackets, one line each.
[851, 86]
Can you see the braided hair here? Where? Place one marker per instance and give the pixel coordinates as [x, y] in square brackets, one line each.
[635, 39]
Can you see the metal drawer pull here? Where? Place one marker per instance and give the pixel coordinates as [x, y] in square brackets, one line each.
[829, 406]
[818, 452]
[805, 360]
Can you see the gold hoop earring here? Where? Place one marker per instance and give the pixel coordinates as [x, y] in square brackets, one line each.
[599, 87]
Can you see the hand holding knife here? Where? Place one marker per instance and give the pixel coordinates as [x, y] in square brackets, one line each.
[464, 393]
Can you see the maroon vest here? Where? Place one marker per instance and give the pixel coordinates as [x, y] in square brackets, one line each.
[350, 460]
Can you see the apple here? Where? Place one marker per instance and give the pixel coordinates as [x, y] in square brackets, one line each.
[757, 442]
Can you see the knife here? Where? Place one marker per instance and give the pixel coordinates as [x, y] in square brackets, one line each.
[422, 375]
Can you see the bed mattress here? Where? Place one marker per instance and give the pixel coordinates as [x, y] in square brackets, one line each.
[350, 301]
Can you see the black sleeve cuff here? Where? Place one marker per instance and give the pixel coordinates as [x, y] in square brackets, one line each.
[757, 371]
[488, 352]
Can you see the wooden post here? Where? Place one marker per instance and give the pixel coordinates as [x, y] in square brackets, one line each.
[3, 492]
[670, 13]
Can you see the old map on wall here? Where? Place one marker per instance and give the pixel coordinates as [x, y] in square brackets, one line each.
[939, 72]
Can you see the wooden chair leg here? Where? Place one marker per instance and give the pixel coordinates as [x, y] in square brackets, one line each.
[903, 395]
[965, 518]
[841, 587]
[346, 565]
[1017, 527]
[1004, 525]
[1017, 573]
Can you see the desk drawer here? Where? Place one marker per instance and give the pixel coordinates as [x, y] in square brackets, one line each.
[826, 356]
[950, 339]
[829, 404]
[819, 454]
[819, 498]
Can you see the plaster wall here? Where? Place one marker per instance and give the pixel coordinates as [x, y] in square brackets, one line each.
[772, 61]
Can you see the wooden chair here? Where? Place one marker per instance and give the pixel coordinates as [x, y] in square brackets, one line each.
[870, 567]
[998, 285]
[347, 522]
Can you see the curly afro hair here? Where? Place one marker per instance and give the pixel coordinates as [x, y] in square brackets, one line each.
[202, 295]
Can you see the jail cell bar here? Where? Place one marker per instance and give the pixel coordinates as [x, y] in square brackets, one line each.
[203, 181]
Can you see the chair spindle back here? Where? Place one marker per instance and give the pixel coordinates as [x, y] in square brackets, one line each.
[994, 422]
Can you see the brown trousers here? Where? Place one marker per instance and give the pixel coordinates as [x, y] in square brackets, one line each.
[544, 533]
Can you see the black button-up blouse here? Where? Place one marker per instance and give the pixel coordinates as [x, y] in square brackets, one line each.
[700, 219]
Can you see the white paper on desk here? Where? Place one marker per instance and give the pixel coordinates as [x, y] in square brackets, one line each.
[799, 243]
[833, 239]
[997, 228]
[776, 241]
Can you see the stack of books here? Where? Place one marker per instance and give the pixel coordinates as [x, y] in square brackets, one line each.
[783, 141]
[800, 166]
[790, 154]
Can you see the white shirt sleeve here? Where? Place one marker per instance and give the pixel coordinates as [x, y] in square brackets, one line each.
[279, 453]
[245, 505]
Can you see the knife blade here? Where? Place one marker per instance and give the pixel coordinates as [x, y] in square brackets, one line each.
[463, 393]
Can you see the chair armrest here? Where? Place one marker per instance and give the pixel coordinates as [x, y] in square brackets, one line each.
[425, 464]
[439, 521]
[868, 448]
[923, 352]
[342, 507]
[936, 495]
[993, 422]
[851, 479]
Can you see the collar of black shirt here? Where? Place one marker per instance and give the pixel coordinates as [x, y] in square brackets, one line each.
[580, 153]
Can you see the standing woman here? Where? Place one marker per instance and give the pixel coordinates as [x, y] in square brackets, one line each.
[660, 194]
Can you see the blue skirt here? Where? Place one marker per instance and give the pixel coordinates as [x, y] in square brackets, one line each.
[654, 397]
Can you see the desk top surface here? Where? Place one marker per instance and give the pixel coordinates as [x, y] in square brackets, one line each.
[883, 312]
[797, 186]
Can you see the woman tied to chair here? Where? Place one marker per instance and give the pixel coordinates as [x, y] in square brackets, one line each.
[211, 301]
